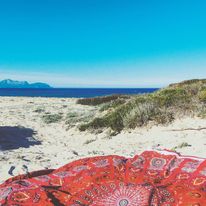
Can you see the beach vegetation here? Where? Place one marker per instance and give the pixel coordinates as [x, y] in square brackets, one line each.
[52, 118]
[202, 111]
[72, 115]
[160, 107]
[39, 110]
[202, 96]
[89, 141]
[112, 105]
[100, 100]
[181, 145]
[75, 118]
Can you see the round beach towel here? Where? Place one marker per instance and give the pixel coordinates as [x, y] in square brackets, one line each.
[149, 179]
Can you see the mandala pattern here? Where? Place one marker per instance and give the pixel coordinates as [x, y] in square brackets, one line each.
[125, 195]
[149, 179]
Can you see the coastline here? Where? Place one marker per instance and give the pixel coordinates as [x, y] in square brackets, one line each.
[30, 142]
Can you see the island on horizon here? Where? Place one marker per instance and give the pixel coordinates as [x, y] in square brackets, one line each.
[8, 83]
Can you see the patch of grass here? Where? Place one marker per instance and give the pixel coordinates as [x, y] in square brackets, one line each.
[182, 145]
[72, 115]
[202, 96]
[112, 105]
[89, 141]
[75, 119]
[188, 82]
[202, 111]
[171, 96]
[95, 152]
[136, 113]
[95, 124]
[39, 110]
[52, 118]
[71, 119]
[99, 100]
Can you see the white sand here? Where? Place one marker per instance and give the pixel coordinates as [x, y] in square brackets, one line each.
[59, 145]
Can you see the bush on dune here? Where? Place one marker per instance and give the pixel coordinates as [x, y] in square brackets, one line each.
[52, 118]
[202, 96]
[112, 104]
[171, 96]
[160, 107]
[136, 113]
[100, 100]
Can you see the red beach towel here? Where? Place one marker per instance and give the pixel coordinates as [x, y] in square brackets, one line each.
[149, 179]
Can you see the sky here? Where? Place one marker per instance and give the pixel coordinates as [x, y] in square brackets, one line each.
[103, 43]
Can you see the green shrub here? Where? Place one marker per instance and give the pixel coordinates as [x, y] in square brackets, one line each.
[99, 100]
[83, 127]
[89, 141]
[171, 97]
[188, 82]
[52, 118]
[72, 115]
[182, 145]
[140, 115]
[39, 110]
[94, 124]
[202, 96]
[164, 117]
[138, 112]
[112, 105]
[160, 107]
[202, 111]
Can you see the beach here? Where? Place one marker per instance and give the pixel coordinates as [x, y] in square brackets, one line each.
[31, 141]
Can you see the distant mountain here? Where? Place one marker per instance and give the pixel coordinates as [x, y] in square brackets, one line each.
[8, 83]
[39, 85]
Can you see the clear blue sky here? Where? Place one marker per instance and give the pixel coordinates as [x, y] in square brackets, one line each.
[103, 43]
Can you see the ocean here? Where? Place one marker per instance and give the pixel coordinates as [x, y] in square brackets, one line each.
[72, 92]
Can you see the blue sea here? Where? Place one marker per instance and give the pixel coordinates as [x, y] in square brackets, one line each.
[73, 92]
